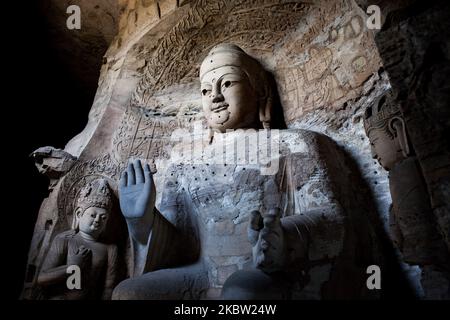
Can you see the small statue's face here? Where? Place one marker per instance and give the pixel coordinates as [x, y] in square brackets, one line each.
[229, 101]
[93, 221]
[385, 149]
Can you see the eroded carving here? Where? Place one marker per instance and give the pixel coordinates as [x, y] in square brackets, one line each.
[53, 163]
[247, 24]
[414, 228]
[81, 247]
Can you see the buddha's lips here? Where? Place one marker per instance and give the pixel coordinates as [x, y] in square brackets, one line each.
[219, 107]
[95, 226]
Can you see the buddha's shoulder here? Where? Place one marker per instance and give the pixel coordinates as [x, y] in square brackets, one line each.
[63, 238]
[66, 235]
[302, 134]
[301, 141]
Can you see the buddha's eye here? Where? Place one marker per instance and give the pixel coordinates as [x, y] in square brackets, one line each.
[92, 215]
[205, 91]
[226, 84]
[103, 217]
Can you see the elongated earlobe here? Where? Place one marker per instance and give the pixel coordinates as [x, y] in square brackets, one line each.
[76, 218]
[265, 111]
[398, 129]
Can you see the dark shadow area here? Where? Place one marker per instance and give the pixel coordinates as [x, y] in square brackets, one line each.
[373, 244]
[49, 108]
[277, 115]
[366, 240]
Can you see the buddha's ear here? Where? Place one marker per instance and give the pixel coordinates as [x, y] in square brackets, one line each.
[77, 215]
[265, 109]
[398, 129]
[78, 212]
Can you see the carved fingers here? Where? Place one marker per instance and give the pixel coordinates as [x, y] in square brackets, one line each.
[147, 175]
[267, 237]
[83, 251]
[271, 233]
[131, 173]
[139, 171]
[80, 256]
[123, 180]
[135, 174]
[255, 225]
[135, 189]
[271, 218]
[264, 225]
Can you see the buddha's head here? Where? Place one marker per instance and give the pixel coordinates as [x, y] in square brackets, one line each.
[235, 90]
[93, 208]
[386, 130]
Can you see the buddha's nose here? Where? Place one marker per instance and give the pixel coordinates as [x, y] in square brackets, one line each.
[216, 93]
[218, 97]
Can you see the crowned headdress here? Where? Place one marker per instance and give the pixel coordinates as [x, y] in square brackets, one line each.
[378, 115]
[95, 194]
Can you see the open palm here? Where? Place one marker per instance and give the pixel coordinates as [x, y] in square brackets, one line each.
[136, 190]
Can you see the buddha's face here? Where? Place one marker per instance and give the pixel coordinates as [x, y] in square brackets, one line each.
[93, 221]
[385, 149]
[229, 101]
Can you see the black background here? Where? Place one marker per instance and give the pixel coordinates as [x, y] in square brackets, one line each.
[46, 105]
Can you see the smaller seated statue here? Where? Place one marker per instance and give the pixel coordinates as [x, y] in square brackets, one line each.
[81, 247]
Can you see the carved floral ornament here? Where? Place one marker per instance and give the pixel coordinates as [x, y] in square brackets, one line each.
[378, 116]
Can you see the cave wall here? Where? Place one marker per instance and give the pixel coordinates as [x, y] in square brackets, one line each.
[81, 50]
[323, 59]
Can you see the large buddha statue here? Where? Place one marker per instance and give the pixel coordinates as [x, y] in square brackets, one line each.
[231, 226]
[414, 228]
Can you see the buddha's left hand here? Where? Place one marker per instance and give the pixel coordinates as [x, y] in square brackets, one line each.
[267, 237]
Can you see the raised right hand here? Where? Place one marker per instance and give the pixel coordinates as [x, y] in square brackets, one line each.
[136, 191]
